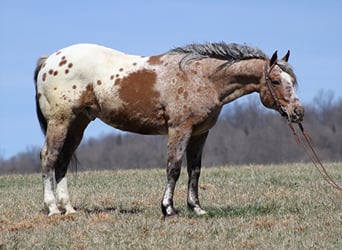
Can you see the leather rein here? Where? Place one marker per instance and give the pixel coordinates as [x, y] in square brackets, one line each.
[308, 147]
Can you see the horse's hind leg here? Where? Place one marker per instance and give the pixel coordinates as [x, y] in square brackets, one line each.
[62, 138]
[55, 136]
[73, 139]
[194, 159]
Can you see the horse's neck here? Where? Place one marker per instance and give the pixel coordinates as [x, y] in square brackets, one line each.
[238, 79]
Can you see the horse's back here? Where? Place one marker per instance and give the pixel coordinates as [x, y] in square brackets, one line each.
[83, 61]
[69, 78]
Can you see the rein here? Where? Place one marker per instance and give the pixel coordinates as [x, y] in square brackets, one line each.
[308, 147]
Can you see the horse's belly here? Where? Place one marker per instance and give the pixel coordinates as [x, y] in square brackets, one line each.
[136, 119]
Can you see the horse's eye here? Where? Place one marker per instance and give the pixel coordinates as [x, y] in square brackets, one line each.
[275, 83]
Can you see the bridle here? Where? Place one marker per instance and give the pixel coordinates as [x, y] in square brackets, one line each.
[309, 149]
[281, 109]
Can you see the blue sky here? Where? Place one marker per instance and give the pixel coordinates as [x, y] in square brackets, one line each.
[312, 30]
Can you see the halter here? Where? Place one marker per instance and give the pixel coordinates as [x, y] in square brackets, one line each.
[309, 149]
[281, 109]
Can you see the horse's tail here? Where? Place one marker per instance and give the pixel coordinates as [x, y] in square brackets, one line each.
[41, 118]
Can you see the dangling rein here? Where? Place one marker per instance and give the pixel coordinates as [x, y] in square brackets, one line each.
[311, 153]
[309, 149]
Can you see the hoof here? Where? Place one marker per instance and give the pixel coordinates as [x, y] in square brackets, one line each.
[53, 213]
[199, 211]
[170, 218]
[70, 210]
[196, 209]
[168, 211]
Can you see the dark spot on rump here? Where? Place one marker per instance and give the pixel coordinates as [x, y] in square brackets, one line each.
[134, 64]
[50, 71]
[63, 57]
[111, 77]
[74, 86]
[44, 77]
[121, 69]
[99, 82]
[55, 88]
[155, 60]
[55, 73]
[66, 71]
[62, 62]
[43, 66]
[70, 65]
[117, 75]
[58, 52]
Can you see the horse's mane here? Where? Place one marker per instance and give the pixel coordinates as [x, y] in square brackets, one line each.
[229, 52]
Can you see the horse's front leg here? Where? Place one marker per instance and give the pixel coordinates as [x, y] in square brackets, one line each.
[177, 142]
[194, 159]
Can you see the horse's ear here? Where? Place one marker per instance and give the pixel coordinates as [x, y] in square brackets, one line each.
[286, 57]
[274, 58]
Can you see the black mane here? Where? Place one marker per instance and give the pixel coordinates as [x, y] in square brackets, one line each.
[229, 52]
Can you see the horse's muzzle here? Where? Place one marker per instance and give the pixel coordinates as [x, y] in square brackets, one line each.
[298, 115]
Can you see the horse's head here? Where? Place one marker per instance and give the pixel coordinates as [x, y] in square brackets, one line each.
[278, 89]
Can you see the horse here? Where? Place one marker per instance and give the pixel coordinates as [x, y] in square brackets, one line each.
[179, 93]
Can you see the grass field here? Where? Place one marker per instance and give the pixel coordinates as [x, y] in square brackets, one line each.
[249, 207]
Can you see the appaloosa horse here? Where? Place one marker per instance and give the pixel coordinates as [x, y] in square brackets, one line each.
[179, 93]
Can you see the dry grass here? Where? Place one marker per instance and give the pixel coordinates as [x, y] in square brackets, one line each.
[249, 207]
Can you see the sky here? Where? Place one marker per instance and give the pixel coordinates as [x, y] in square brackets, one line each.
[311, 29]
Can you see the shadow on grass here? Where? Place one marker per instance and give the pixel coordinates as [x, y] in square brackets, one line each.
[249, 210]
[133, 210]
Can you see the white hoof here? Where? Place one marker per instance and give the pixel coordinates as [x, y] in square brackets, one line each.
[199, 211]
[70, 210]
[54, 212]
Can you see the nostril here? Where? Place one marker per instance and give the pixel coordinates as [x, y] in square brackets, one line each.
[298, 112]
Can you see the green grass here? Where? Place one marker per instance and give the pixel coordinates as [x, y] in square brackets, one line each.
[249, 207]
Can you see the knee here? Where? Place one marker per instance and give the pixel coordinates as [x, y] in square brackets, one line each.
[173, 171]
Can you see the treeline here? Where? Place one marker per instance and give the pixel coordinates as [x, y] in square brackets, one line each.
[246, 133]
